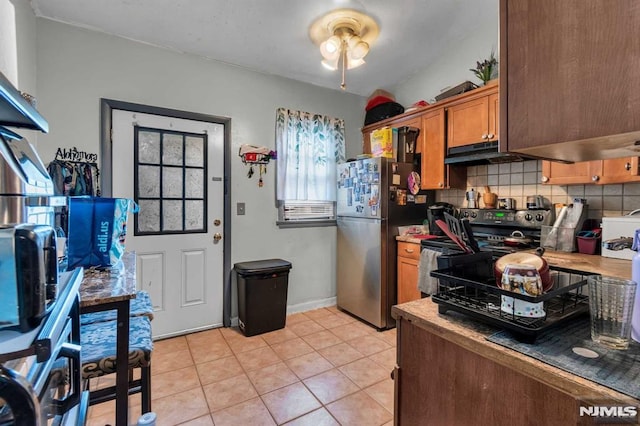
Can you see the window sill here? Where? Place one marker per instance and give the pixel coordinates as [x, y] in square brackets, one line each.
[306, 223]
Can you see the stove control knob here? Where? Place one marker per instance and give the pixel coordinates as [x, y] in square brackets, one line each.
[528, 217]
[539, 217]
[465, 214]
[474, 215]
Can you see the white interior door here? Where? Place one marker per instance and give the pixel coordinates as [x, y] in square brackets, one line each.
[174, 168]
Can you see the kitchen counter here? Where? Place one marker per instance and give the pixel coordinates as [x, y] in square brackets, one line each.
[114, 284]
[471, 335]
[596, 264]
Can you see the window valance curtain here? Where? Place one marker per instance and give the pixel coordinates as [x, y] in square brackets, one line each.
[309, 146]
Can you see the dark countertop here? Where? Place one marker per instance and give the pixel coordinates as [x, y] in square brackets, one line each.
[109, 285]
[471, 335]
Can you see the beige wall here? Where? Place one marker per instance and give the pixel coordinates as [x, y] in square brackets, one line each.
[77, 67]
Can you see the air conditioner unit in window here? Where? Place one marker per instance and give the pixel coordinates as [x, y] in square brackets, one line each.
[297, 210]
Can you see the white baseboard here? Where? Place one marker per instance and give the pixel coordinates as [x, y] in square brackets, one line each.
[300, 307]
[308, 306]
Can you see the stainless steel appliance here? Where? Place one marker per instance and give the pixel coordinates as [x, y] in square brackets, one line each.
[40, 379]
[28, 274]
[491, 227]
[372, 202]
[495, 229]
[26, 190]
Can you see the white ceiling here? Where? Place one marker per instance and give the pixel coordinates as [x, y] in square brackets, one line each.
[271, 36]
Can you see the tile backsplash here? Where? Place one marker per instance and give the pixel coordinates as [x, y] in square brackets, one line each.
[519, 179]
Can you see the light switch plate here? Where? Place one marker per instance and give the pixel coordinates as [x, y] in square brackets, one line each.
[240, 209]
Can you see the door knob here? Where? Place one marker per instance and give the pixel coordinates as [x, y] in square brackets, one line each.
[217, 237]
[595, 178]
[217, 222]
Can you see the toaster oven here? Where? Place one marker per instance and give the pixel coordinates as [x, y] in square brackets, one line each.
[28, 274]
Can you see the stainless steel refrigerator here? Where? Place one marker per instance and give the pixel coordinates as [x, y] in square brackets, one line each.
[372, 202]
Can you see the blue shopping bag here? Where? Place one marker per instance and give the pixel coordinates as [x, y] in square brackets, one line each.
[97, 230]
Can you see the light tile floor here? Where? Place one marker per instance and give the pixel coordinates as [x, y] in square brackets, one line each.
[324, 368]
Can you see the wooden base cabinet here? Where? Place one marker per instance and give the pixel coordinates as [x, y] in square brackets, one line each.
[408, 258]
[438, 382]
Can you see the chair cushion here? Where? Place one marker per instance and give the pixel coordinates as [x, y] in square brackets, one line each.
[98, 342]
[140, 306]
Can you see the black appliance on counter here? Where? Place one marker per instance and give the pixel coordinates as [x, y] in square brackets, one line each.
[436, 212]
[28, 274]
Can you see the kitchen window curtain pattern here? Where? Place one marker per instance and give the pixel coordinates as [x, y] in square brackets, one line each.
[309, 146]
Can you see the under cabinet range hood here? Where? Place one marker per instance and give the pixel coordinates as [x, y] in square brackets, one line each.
[15, 111]
[480, 153]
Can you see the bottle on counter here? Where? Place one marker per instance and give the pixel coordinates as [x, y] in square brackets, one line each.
[635, 276]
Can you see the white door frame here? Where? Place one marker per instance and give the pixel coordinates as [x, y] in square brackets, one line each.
[106, 162]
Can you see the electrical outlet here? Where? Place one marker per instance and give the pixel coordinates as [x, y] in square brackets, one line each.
[240, 209]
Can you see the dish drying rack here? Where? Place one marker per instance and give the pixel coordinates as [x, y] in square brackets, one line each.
[467, 284]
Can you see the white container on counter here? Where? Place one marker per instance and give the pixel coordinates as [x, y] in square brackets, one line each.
[616, 227]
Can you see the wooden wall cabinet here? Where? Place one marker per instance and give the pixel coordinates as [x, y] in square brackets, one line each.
[431, 142]
[549, 51]
[619, 170]
[474, 120]
[408, 258]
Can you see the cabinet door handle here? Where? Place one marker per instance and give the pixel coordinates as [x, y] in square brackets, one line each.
[627, 166]
[484, 136]
[408, 250]
[595, 178]
[440, 184]
[490, 136]
[545, 179]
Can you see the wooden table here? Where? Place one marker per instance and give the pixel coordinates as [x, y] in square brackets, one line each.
[112, 289]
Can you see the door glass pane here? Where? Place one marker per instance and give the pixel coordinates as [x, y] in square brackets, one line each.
[171, 173]
[149, 216]
[194, 183]
[194, 215]
[194, 151]
[172, 215]
[149, 146]
[172, 182]
[172, 149]
[149, 181]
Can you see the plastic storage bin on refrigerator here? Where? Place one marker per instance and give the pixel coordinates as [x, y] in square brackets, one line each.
[262, 295]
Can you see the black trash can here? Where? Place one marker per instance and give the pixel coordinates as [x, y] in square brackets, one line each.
[262, 295]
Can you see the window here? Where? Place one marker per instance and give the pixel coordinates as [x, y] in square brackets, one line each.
[169, 181]
[309, 146]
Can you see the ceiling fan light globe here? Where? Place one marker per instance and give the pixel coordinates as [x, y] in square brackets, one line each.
[359, 50]
[331, 65]
[354, 63]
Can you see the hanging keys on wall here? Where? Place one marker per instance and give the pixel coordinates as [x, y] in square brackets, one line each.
[258, 156]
